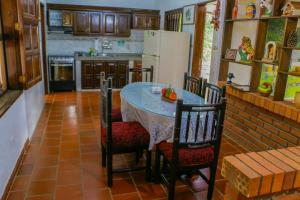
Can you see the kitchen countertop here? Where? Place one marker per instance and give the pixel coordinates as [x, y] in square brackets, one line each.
[110, 56]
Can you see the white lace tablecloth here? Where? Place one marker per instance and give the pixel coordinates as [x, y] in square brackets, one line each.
[139, 103]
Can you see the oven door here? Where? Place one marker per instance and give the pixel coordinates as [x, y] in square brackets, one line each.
[61, 72]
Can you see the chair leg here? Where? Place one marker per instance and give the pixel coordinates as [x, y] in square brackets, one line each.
[213, 170]
[172, 183]
[148, 166]
[109, 170]
[139, 155]
[103, 156]
[157, 166]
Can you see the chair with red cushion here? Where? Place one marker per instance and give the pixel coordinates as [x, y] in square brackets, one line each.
[196, 145]
[120, 137]
[116, 115]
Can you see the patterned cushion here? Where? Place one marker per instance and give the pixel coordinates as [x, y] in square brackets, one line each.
[127, 136]
[116, 115]
[188, 157]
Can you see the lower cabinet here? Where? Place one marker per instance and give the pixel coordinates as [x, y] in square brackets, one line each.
[91, 71]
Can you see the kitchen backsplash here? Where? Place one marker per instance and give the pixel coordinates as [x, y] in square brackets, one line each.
[63, 44]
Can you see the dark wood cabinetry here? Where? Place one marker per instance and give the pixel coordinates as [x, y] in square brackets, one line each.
[146, 21]
[123, 24]
[153, 22]
[91, 70]
[95, 23]
[109, 24]
[81, 23]
[90, 20]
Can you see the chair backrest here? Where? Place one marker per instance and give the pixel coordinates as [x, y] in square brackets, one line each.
[106, 108]
[213, 94]
[194, 85]
[198, 126]
[140, 75]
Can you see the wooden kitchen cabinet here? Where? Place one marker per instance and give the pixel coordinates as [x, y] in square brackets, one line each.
[153, 22]
[99, 67]
[123, 24]
[81, 23]
[140, 21]
[87, 75]
[122, 74]
[145, 21]
[30, 9]
[109, 24]
[91, 71]
[95, 23]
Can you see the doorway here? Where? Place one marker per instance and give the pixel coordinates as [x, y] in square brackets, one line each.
[205, 42]
[44, 52]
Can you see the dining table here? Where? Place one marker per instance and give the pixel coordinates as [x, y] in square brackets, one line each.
[142, 102]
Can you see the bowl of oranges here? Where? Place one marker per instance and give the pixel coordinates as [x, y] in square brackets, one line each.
[168, 94]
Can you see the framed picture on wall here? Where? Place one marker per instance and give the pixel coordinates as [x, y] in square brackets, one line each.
[189, 14]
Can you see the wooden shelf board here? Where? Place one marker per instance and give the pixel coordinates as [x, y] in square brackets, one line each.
[262, 18]
[290, 73]
[266, 62]
[237, 62]
[241, 19]
[291, 48]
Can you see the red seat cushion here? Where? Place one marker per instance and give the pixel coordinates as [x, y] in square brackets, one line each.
[127, 136]
[188, 157]
[116, 115]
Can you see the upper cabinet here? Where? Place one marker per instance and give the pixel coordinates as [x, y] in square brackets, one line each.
[81, 23]
[123, 24]
[145, 21]
[100, 21]
[95, 23]
[109, 24]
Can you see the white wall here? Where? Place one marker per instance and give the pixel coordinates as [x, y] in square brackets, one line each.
[17, 125]
[147, 4]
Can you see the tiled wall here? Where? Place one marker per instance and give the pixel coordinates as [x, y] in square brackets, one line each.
[61, 44]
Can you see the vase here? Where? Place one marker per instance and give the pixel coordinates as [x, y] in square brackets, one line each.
[297, 100]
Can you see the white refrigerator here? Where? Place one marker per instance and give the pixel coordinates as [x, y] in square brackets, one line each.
[168, 53]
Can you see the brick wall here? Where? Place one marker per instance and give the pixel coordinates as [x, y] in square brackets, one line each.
[257, 129]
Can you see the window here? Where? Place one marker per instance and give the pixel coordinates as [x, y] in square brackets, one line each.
[3, 83]
[173, 20]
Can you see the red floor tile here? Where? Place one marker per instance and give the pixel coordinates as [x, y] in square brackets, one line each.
[63, 160]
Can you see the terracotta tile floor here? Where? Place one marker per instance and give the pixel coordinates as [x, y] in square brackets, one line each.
[63, 159]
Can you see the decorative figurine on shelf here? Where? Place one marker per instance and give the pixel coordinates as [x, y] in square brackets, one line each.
[292, 39]
[251, 10]
[265, 89]
[246, 50]
[271, 52]
[235, 10]
[230, 77]
[216, 18]
[266, 8]
[292, 7]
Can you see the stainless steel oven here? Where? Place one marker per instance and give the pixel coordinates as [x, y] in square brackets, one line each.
[61, 73]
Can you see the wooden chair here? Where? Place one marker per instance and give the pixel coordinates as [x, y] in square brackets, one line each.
[187, 155]
[120, 137]
[140, 75]
[194, 85]
[213, 94]
[116, 114]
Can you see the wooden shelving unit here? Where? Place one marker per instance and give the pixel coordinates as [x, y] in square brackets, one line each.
[285, 52]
